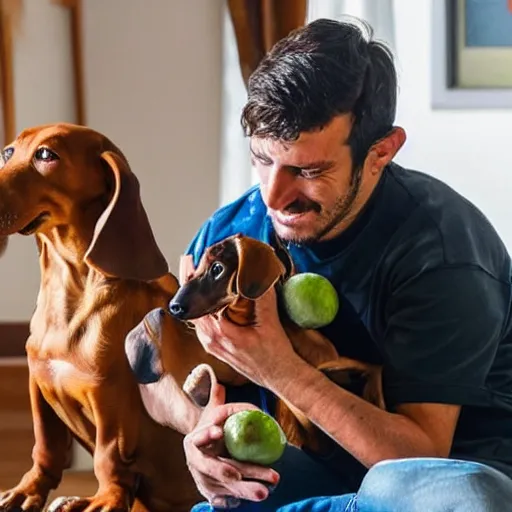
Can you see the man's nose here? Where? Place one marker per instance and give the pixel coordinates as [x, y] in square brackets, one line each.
[279, 188]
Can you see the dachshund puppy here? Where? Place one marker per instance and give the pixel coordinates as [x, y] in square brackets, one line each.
[101, 272]
[231, 275]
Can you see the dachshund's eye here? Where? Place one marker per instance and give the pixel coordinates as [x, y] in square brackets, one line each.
[5, 155]
[46, 155]
[216, 270]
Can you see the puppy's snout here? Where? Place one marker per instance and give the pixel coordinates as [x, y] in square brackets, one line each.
[143, 355]
[177, 309]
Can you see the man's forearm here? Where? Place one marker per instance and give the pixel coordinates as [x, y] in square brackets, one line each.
[370, 434]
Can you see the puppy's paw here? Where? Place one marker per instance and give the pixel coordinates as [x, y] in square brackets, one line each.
[199, 383]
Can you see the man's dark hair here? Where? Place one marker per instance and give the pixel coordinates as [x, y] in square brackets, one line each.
[319, 71]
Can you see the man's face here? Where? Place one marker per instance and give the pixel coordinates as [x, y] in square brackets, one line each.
[308, 185]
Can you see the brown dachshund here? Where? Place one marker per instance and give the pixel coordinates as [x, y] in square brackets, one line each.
[101, 272]
[231, 275]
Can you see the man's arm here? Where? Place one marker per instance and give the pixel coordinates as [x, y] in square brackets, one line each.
[368, 433]
[443, 331]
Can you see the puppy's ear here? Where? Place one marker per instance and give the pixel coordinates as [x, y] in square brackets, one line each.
[259, 268]
[186, 270]
[284, 256]
[123, 244]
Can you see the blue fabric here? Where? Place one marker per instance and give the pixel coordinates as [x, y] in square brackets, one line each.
[424, 283]
[407, 485]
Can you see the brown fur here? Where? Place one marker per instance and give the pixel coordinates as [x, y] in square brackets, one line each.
[101, 272]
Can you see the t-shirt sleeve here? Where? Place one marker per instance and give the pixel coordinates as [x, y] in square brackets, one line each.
[443, 330]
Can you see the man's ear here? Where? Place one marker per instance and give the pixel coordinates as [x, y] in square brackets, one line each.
[385, 149]
[259, 268]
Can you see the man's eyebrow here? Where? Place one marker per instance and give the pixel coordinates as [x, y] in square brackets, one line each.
[258, 155]
[319, 164]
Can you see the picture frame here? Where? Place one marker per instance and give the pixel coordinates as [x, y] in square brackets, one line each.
[471, 54]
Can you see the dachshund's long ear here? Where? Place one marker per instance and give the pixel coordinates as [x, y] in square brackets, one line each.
[123, 244]
[259, 268]
[283, 255]
[186, 270]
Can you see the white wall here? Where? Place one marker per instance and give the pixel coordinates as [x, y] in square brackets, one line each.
[153, 82]
[153, 85]
[468, 149]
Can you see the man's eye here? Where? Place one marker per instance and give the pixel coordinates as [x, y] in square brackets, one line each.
[216, 270]
[46, 155]
[310, 174]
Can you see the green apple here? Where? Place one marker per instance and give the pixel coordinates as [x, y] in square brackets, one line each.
[310, 300]
[254, 436]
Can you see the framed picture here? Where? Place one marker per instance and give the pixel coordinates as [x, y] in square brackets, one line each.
[472, 54]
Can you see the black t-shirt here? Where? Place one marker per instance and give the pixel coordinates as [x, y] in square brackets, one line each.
[425, 289]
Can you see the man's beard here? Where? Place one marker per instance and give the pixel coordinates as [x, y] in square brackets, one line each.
[341, 209]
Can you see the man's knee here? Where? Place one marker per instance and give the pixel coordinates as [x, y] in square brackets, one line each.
[437, 484]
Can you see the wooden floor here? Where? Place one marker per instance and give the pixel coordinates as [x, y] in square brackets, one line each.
[16, 436]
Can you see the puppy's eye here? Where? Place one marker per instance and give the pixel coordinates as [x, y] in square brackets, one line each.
[217, 269]
[45, 155]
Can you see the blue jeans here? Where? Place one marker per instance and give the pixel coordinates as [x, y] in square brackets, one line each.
[405, 485]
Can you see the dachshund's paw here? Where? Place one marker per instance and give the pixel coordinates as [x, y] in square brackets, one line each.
[112, 500]
[198, 385]
[58, 503]
[21, 500]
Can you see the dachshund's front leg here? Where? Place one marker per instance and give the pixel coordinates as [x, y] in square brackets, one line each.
[117, 430]
[114, 455]
[50, 455]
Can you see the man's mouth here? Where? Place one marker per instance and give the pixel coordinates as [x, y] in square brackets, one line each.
[33, 225]
[295, 212]
[302, 206]
[289, 219]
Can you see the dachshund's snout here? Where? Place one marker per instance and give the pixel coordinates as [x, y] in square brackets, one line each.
[143, 355]
[177, 309]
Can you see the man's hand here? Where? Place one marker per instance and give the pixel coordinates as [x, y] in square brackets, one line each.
[219, 479]
[254, 351]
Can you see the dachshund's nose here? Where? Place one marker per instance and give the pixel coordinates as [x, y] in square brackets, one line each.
[143, 355]
[177, 310]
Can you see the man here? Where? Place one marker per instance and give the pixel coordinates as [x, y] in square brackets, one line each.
[425, 290]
